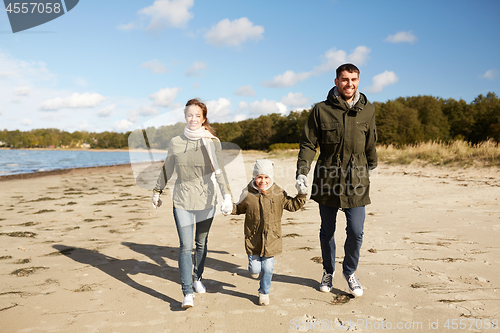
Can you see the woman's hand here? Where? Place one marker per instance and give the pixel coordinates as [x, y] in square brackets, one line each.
[155, 200]
[227, 205]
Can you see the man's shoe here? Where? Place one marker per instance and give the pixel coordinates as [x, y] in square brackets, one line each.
[354, 285]
[326, 282]
[188, 301]
[199, 287]
[263, 299]
[255, 276]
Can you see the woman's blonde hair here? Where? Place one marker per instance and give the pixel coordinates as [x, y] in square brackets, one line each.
[203, 107]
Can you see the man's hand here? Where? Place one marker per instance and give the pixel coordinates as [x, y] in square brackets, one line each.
[302, 184]
[155, 200]
[227, 205]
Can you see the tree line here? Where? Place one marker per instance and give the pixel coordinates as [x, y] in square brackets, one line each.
[402, 121]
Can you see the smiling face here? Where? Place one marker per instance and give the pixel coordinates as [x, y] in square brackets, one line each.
[194, 117]
[347, 85]
[262, 181]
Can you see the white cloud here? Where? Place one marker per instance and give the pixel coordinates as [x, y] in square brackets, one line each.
[359, 56]
[75, 101]
[381, 80]
[106, 112]
[22, 91]
[155, 66]
[490, 74]
[122, 125]
[402, 37]
[333, 58]
[164, 97]
[240, 117]
[127, 27]
[296, 101]
[245, 91]
[266, 107]
[196, 69]
[27, 122]
[83, 126]
[242, 107]
[147, 111]
[287, 79]
[167, 13]
[218, 109]
[233, 33]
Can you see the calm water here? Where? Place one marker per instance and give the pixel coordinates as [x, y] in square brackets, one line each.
[13, 161]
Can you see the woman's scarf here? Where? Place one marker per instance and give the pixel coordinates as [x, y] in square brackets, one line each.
[206, 138]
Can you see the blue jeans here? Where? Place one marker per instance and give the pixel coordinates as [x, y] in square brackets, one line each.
[186, 220]
[355, 221]
[256, 264]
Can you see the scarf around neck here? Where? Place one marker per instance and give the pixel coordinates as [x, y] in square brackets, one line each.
[206, 138]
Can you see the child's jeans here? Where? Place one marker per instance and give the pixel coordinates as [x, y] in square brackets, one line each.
[256, 264]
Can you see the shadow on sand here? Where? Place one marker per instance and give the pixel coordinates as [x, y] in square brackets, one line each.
[122, 269]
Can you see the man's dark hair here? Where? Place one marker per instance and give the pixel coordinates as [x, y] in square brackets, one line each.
[347, 67]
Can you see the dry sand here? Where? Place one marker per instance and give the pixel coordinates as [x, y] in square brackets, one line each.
[84, 251]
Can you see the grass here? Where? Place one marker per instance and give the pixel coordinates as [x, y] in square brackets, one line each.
[454, 153]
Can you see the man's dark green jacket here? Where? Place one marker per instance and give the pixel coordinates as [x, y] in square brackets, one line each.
[346, 137]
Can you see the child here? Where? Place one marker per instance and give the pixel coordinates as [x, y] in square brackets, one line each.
[263, 207]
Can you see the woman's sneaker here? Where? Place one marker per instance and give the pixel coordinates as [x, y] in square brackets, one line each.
[263, 299]
[354, 285]
[188, 301]
[326, 282]
[199, 287]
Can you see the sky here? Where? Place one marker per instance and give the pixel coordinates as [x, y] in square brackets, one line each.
[119, 65]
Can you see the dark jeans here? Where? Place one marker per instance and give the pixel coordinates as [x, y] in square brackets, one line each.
[354, 229]
[187, 222]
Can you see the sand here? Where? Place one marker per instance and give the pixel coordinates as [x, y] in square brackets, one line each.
[84, 251]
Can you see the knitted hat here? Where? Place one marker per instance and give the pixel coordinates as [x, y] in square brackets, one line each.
[264, 167]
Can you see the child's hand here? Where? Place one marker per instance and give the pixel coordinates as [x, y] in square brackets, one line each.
[302, 184]
[227, 205]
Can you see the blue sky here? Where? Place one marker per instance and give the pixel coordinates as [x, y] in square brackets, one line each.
[116, 65]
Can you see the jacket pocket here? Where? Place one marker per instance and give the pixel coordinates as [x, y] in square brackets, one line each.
[357, 175]
[330, 132]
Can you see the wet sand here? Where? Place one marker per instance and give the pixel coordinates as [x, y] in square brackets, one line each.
[83, 251]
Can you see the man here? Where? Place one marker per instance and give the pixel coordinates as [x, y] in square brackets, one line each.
[343, 126]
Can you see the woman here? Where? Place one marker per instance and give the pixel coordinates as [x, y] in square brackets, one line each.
[196, 157]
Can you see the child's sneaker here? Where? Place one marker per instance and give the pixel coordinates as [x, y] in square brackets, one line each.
[199, 287]
[326, 282]
[263, 299]
[188, 301]
[354, 285]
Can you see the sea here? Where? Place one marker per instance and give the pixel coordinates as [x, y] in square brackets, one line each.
[19, 161]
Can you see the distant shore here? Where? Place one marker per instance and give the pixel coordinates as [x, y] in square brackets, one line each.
[68, 171]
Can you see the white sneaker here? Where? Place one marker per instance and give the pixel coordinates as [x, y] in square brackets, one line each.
[263, 299]
[354, 285]
[255, 276]
[326, 282]
[188, 301]
[199, 287]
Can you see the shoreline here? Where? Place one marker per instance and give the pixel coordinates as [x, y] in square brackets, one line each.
[58, 172]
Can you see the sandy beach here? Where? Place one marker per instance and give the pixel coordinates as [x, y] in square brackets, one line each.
[84, 251]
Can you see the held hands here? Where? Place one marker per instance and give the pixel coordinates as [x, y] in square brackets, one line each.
[155, 200]
[302, 184]
[227, 205]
